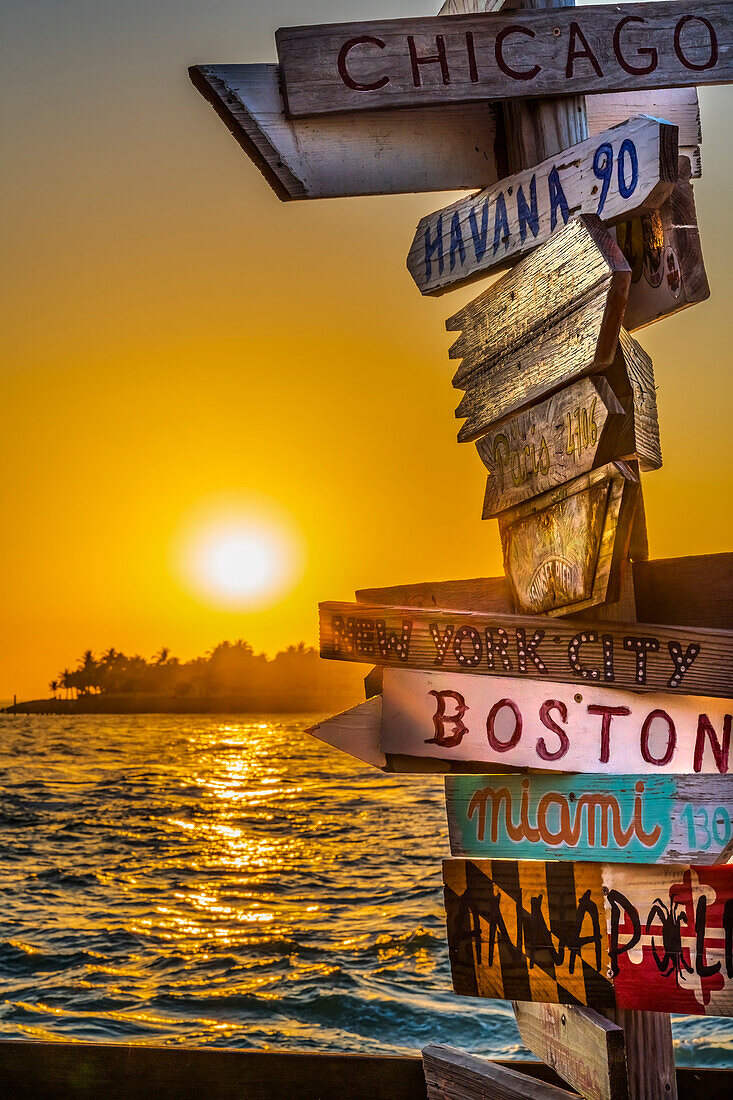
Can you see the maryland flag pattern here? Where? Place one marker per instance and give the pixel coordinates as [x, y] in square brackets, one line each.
[528, 931]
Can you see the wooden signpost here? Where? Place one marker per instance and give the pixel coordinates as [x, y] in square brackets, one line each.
[615, 175]
[341, 67]
[655, 938]
[593, 894]
[627, 819]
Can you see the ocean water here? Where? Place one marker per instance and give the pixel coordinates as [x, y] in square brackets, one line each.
[229, 881]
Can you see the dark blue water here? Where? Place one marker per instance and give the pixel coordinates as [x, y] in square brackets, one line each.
[227, 881]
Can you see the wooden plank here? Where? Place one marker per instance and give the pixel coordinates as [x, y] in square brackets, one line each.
[692, 591]
[680, 106]
[595, 934]
[548, 444]
[625, 170]
[459, 59]
[583, 1047]
[553, 319]
[664, 253]
[355, 731]
[521, 723]
[640, 657]
[32, 1070]
[627, 819]
[450, 148]
[578, 429]
[485, 594]
[563, 550]
[451, 1073]
[36, 1070]
[388, 152]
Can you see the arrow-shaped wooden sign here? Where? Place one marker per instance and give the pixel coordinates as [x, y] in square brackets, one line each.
[621, 172]
[341, 67]
[603, 935]
[600, 418]
[449, 148]
[554, 318]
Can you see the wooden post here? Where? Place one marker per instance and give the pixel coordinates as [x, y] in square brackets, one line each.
[537, 129]
[540, 128]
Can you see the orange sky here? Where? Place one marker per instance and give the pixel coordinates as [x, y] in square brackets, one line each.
[172, 333]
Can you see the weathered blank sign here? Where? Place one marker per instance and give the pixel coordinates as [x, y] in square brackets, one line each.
[452, 1073]
[418, 62]
[595, 420]
[663, 250]
[459, 720]
[385, 152]
[450, 148]
[638, 656]
[627, 819]
[582, 1046]
[563, 550]
[605, 935]
[625, 170]
[555, 318]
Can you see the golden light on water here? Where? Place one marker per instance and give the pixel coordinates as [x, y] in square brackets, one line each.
[238, 554]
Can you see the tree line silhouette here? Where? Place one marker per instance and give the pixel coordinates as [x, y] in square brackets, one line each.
[231, 669]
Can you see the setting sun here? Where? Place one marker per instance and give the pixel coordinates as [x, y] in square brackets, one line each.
[238, 554]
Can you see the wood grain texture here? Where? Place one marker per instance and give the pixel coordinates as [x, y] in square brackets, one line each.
[627, 169]
[548, 444]
[521, 723]
[451, 1073]
[436, 149]
[680, 106]
[541, 127]
[664, 252]
[417, 62]
[563, 550]
[581, 1045]
[355, 731]
[484, 594]
[683, 660]
[36, 1070]
[555, 318]
[624, 819]
[632, 380]
[595, 934]
[690, 591]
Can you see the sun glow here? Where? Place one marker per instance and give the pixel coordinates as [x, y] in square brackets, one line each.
[238, 555]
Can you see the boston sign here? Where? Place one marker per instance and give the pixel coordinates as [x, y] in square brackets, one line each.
[570, 51]
[516, 723]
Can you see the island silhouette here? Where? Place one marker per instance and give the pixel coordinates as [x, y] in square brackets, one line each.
[231, 678]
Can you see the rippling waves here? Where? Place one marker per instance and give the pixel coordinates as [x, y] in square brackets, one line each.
[212, 881]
